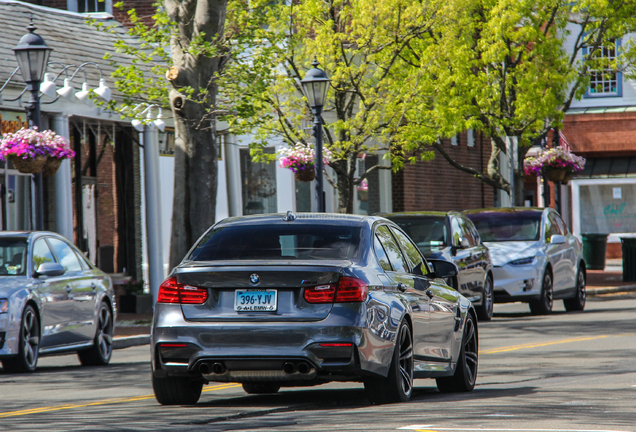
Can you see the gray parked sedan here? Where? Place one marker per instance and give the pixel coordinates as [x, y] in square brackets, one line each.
[289, 300]
[52, 301]
[536, 259]
[453, 237]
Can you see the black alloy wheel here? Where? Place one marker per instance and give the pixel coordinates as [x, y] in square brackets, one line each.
[485, 311]
[177, 390]
[29, 343]
[261, 387]
[398, 385]
[101, 351]
[577, 303]
[543, 306]
[465, 375]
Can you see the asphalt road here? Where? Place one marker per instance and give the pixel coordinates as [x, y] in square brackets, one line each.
[565, 372]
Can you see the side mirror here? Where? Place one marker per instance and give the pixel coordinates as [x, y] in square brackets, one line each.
[463, 243]
[443, 269]
[50, 269]
[557, 239]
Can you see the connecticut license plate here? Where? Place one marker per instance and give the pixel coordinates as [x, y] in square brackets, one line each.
[256, 300]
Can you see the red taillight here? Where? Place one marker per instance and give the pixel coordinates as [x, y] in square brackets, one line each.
[351, 290]
[172, 291]
[173, 345]
[335, 345]
[320, 294]
[348, 290]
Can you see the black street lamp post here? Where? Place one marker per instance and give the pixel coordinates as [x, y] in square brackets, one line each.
[315, 85]
[32, 55]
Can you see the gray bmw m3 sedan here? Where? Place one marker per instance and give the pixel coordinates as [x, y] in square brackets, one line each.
[288, 300]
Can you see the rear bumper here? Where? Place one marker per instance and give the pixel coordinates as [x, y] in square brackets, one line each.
[284, 351]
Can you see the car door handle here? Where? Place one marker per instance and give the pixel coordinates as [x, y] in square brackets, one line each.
[401, 287]
[93, 286]
[430, 294]
[68, 288]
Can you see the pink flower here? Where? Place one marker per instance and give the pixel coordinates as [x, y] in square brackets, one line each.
[301, 157]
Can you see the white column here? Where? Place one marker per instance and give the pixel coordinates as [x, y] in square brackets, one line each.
[285, 189]
[222, 204]
[386, 186]
[233, 171]
[153, 210]
[63, 187]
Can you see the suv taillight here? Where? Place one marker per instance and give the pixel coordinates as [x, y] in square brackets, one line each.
[348, 289]
[172, 291]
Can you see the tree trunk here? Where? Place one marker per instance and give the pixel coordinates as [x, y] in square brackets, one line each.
[195, 181]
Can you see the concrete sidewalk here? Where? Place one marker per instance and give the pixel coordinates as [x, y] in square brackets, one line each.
[134, 329]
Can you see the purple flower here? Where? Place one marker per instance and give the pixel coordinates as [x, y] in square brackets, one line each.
[30, 143]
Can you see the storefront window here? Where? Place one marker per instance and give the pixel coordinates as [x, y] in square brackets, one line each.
[258, 185]
[303, 196]
[608, 208]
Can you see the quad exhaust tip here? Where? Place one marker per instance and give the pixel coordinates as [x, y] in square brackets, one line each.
[207, 368]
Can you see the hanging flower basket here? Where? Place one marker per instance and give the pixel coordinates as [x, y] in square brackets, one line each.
[555, 175]
[30, 149]
[300, 159]
[31, 165]
[51, 166]
[557, 164]
[305, 175]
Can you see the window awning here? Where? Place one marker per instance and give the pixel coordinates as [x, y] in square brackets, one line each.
[609, 167]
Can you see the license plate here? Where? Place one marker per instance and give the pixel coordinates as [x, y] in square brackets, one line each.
[255, 300]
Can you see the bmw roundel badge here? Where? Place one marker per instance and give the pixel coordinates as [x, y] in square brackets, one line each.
[254, 279]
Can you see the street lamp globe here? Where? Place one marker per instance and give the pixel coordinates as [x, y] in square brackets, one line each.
[315, 85]
[32, 55]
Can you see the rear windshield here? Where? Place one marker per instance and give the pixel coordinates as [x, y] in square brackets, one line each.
[429, 233]
[517, 226]
[261, 242]
[13, 255]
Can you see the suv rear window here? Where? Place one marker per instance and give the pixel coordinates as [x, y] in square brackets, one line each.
[285, 242]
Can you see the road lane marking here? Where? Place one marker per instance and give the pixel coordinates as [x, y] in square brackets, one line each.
[542, 344]
[432, 428]
[102, 402]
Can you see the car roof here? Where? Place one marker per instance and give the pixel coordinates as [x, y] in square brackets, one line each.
[326, 218]
[28, 234]
[506, 210]
[415, 214]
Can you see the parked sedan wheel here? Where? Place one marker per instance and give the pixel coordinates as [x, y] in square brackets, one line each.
[577, 303]
[466, 373]
[398, 386]
[260, 388]
[484, 312]
[543, 306]
[99, 354]
[177, 390]
[29, 343]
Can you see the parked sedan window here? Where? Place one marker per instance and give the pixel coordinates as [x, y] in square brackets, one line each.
[41, 254]
[12, 257]
[497, 226]
[392, 250]
[428, 232]
[284, 242]
[65, 255]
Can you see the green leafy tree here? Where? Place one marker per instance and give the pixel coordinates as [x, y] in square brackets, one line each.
[362, 47]
[504, 67]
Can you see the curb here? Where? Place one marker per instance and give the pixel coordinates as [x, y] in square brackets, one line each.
[130, 341]
[610, 290]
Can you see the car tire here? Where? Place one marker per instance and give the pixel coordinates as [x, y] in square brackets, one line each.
[177, 390]
[29, 344]
[577, 303]
[260, 387]
[101, 351]
[466, 371]
[484, 312]
[543, 306]
[398, 385]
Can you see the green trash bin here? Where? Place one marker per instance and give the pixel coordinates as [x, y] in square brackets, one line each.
[628, 246]
[594, 248]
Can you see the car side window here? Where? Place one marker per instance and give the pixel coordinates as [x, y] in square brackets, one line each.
[473, 231]
[456, 231]
[554, 225]
[412, 253]
[392, 249]
[466, 232]
[65, 255]
[562, 226]
[41, 254]
[381, 254]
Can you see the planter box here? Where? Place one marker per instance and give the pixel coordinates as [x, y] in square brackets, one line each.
[129, 303]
